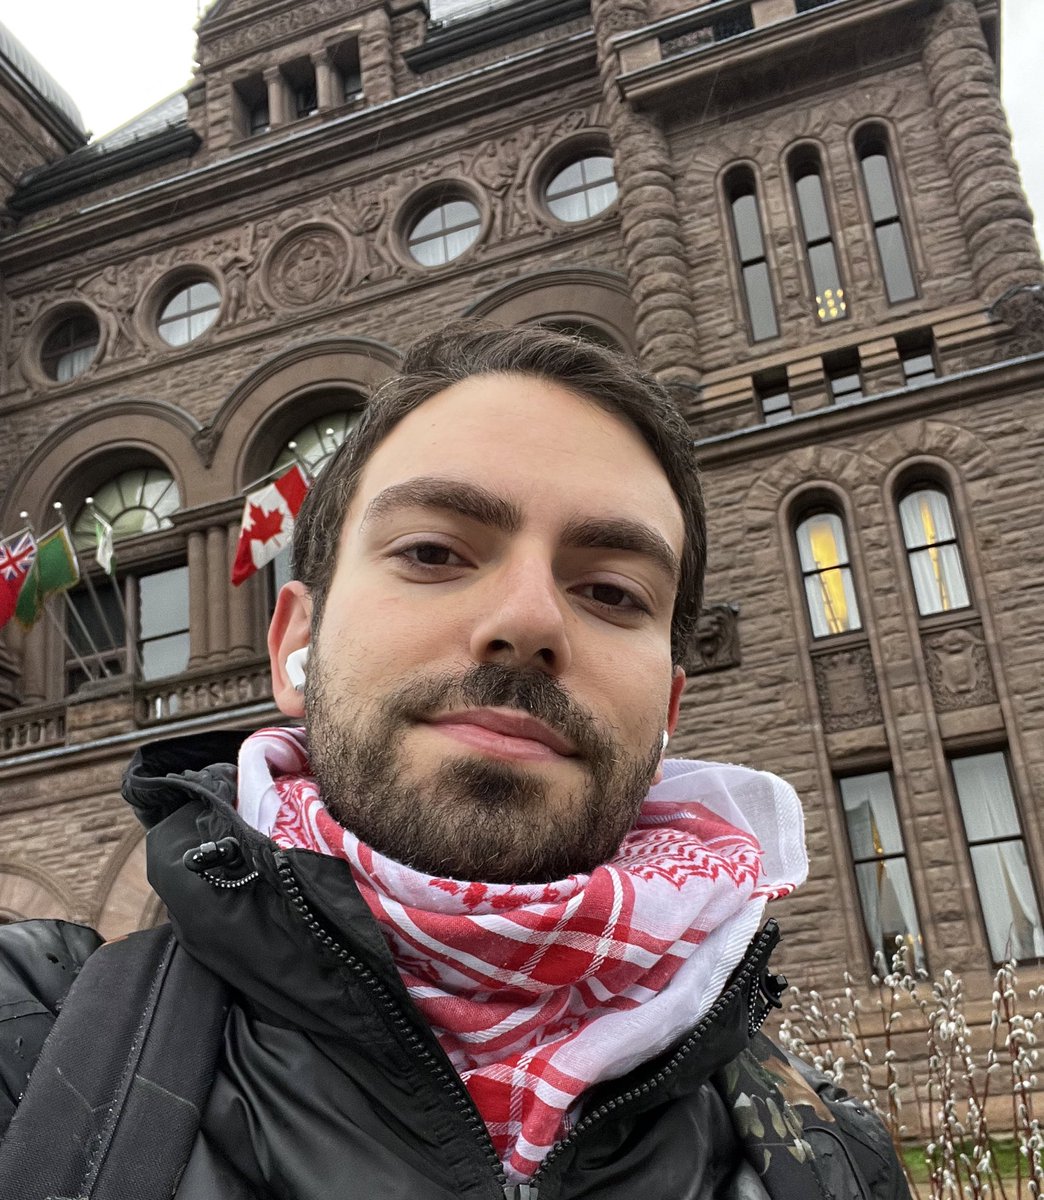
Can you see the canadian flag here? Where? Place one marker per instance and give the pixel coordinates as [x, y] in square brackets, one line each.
[268, 522]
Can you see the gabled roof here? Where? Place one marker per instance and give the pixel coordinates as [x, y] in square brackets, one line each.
[23, 68]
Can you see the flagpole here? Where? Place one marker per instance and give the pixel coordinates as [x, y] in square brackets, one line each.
[95, 652]
[68, 641]
[131, 642]
[275, 472]
[94, 595]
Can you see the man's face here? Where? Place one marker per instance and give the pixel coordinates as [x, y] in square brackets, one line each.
[491, 675]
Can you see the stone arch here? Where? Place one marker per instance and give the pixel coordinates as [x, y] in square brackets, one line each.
[267, 405]
[124, 899]
[27, 892]
[803, 469]
[933, 439]
[583, 294]
[82, 452]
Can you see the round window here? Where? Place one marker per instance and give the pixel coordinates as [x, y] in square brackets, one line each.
[188, 312]
[70, 347]
[315, 443]
[582, 189]
[443, 232]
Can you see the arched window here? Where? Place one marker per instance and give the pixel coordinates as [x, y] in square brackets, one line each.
[748, 239]
[136, 620]
[931, 548]
[879, 184]
[807, 176]
[827, 575]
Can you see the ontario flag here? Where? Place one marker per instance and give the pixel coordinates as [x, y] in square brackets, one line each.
[268, 522]
[17, 554]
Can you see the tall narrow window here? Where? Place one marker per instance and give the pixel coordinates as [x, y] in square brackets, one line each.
[932, 551]
[750, 252]
[998, 856]
[879, 856]
[807, 175]
[892, 249]
[829, 591]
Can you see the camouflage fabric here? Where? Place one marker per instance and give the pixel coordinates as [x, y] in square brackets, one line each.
[804, 1136]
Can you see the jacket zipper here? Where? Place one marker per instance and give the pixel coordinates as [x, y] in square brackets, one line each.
[451, 1083]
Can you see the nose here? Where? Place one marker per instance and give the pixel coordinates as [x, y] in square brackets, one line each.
[523, 620]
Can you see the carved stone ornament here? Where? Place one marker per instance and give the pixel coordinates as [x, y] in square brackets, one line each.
[716, 644]
[205, 441]
[958, 668]
[306, 266]
[846, 686]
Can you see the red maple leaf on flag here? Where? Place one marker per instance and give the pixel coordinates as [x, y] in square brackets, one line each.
[265, 524]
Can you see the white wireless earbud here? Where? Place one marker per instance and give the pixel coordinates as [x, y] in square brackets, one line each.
[296, 663]
[663, 743]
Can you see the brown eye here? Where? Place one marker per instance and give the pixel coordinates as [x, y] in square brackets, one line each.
[606, 593]
[431, 554]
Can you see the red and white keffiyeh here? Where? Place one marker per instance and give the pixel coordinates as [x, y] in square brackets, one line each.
[538, 991]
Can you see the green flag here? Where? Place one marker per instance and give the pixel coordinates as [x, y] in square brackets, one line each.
[54, 570]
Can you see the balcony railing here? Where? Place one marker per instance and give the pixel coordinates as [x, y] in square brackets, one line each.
[28, 729]
[202, 691]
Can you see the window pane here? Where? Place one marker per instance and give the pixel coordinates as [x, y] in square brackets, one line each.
[459, 212]
[846, 385]
[895, 262]
[458, 241]
[813, 207]
[926, 518]
[832, 606]
[429, 224]
[889, 912]
[597, 169]
[984, 791]
[105, 628]
[879, 189]
[748, 228]
[826, 278]
[873, 824]
[1009, 905]
[163, 602]
[938, 580]
[164, 656]
[759, 302]
[821, 542]
[600, 197]
[429, 254]
[568, 179]
[918, 368]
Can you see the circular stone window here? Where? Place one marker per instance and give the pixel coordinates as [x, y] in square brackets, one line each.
[443, 232]
[582, 189]
[188, 311]
[69, 349]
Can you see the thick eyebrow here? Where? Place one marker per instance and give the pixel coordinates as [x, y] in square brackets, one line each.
[450, 495]
[621, 533]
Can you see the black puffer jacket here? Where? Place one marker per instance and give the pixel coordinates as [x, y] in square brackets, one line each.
[330, 1084]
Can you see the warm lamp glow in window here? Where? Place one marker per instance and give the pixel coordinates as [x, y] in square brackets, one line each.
[931, 547]
[829, 592]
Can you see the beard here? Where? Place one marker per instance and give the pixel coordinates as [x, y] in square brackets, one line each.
[473, 818]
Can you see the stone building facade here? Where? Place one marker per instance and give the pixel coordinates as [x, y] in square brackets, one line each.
[802, 214]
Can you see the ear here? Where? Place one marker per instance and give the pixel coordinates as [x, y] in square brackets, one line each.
[673, 710]
[291, 628]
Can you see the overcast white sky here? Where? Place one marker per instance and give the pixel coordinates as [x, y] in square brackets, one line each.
[118, 57]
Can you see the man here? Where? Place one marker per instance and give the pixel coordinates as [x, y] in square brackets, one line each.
[478, 937]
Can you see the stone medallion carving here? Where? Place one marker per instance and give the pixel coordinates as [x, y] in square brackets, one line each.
[846, 686]
[716, 645]
[308, 265]
[958, 668]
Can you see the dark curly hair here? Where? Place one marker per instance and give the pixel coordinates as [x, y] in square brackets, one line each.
[465, 349]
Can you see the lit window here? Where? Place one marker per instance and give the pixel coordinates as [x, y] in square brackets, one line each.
[189, 312]
[931, 548]
[829, 591]
[750, 252]
[444, 232]
[831, 304]
[892, 249]
[843, 377]
[879, 856]
[70, 347]
[998, 856]
[582, 189]
[773, 397]
[138, 501]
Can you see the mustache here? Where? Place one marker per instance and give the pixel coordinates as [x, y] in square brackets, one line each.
[493, 685]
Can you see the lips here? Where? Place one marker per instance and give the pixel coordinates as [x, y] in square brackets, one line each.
[504, 732]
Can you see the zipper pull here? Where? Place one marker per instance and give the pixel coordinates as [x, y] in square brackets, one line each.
[521, 1191]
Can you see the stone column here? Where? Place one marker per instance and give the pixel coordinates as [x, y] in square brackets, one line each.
[240, 617]
[199, 637]
[327, 89]
[278, 97]
[995, 218]
[32, 649]
[217, 592]
[656, 266]
[375, 56]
